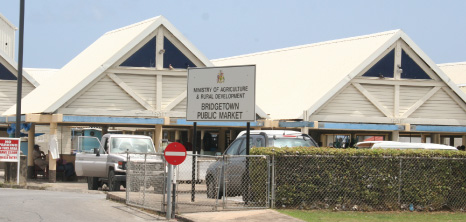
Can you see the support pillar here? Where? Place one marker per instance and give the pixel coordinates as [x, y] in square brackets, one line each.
[158, 137]
[305, 130]
[177, 136]
[31, 143]
[463, 143]
[232, 136]
[221, 140]
[323, 140]
[52, 162]
[436, 138]
[104, 130]
[202, 141]
[423, 138]
[395, 135]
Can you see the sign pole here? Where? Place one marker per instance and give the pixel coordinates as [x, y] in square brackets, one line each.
[174, 154]
[17, 172]
[248, 180]
[193, 180]
[169, 191]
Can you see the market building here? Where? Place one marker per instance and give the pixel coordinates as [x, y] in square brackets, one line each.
[379, 86]
[134, 80]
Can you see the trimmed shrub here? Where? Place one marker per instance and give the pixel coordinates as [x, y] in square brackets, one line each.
[366, 179]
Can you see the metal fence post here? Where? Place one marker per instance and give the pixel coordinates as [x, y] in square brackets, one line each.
[272, 201]
[144, 178]
[399, 187]
[128, 175]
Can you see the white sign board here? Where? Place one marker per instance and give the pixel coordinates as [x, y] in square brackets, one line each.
[222, 94]
[9, 149]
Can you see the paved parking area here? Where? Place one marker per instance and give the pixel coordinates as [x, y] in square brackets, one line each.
[227, 215]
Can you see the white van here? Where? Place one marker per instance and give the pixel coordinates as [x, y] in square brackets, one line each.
[401, 145]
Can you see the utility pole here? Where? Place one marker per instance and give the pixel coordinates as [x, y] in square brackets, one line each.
[20, 69]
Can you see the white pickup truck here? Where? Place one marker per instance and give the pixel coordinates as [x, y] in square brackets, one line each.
[105, 162]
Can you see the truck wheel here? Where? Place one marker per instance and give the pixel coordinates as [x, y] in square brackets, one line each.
[92, 183]
[112, 184]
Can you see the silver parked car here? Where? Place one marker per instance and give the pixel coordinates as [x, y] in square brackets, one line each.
[235, 172]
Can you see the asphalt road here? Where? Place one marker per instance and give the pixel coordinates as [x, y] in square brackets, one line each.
[41, 205]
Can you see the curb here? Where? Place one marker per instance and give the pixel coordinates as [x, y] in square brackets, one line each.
[116, 198]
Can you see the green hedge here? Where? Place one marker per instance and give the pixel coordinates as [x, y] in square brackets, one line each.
[364, 179]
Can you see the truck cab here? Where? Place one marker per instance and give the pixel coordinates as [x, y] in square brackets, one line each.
[104, 162]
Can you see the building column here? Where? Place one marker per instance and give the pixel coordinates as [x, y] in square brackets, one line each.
[104, 130]
[323, 140]
[221, 140]
[305, 130]
[177, 136]
[463, 143]
[158, 137]
[52, 162]
[435, 138]
[202, 141]
[423, 138]
[395, 135]
[31, 143]
[232, 136]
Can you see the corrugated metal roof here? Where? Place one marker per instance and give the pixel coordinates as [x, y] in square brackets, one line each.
[92, 62]
[291, 80]
[455, 71]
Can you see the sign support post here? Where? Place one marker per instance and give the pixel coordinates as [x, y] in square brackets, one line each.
[174, 154]
[193, 180]
[169, 191]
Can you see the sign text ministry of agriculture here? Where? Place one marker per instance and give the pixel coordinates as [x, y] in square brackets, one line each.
[222, 94]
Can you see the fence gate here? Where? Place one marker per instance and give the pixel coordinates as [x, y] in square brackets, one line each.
[217, 183]
[246, 182]
[145, 181]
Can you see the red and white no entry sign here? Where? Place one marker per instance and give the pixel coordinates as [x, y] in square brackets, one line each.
[175, 153]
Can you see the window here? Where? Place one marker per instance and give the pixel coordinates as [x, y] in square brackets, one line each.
[234, 147]
[174, 57]
[144, 57]
[292, 142]
[383, 68]
[5, 74]
[411, 70]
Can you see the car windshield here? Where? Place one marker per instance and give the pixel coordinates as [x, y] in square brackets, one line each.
[132, 145]
[292, 142]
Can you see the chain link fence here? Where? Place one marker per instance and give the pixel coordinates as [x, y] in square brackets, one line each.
[216, 183]
[191, 186]
[369, 183]
[145, 181]
[247, 181]
[351, 183]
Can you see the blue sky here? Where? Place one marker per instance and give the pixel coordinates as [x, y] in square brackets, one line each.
[57, 30]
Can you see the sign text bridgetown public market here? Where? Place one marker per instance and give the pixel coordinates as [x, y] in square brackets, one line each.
[221, 94]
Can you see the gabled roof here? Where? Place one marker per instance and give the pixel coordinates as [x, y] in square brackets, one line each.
[41, 75]
[456, 72]
[8, 22]
[11, 62]
[303, 78]
[92, 62]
